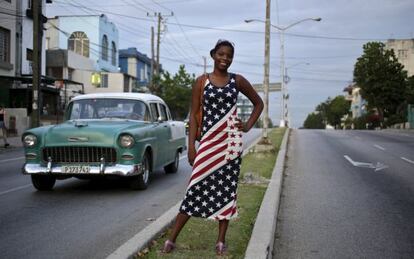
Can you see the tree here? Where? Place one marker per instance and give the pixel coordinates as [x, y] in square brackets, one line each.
[410, 90]
[314, 121]
[382, 79]
[176, 91]
[337, 108]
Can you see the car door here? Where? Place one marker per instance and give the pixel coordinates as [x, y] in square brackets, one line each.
[161, 133]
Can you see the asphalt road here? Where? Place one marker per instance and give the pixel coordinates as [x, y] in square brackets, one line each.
[347, 194]
[80, 219]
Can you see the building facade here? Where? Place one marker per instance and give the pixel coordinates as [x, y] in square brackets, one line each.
[92, 36]
[137, 65]
[404, 51]
[16, 57]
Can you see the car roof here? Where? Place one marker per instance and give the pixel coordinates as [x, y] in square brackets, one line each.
[135, 96]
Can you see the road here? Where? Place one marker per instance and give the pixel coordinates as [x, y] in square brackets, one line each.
[347, 194]
[80, 219]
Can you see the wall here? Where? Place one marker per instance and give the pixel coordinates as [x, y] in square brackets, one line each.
[8, 22]
[408, 46]
[22, 120]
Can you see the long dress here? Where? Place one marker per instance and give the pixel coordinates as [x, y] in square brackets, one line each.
[212, 189]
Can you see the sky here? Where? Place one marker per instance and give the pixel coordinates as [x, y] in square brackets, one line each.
[319, 56]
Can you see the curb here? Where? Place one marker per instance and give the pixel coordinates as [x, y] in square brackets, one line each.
[262, 238]
[143, 238]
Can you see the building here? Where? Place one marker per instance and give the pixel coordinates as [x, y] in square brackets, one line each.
[404, 51]
[244, 108]
[358, 106]
[83, 49]
[16, 56]
[137, 65]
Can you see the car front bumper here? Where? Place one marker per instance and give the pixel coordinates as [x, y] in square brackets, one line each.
[117, 169]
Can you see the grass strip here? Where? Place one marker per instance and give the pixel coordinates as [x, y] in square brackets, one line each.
[198, 238]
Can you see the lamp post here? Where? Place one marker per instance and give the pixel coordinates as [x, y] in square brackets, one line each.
[286, 97]
[283, 116]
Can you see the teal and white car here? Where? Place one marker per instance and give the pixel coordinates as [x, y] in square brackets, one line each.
[112, 134]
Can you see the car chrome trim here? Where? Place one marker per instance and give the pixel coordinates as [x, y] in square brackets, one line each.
[120, 170]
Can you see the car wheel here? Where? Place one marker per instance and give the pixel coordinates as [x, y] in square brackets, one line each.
[141, 181]
[173, 167]
[43, 182]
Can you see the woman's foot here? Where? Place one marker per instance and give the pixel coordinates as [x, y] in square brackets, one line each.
[169, 246]
[221, 248]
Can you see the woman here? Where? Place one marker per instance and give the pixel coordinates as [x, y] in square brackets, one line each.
[3, 126]
[211, 192]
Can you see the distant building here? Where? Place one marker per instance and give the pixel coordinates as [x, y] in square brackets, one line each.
[92, 36]
[83, 49]
[404, 51]
[137, 65]
[244, 108]
[358, 106]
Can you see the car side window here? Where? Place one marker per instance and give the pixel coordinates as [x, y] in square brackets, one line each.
[163, 109]
[154, 111]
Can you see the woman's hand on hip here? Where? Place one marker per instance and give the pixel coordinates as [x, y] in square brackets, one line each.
[191, 155]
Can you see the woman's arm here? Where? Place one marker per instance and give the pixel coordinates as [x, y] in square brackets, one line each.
[247, 89]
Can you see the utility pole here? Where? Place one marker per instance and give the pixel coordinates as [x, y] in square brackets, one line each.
[37, 61]
[266, 74]
[160, 18]
[152, 59]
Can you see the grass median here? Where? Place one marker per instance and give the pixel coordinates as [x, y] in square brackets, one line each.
[198, 238]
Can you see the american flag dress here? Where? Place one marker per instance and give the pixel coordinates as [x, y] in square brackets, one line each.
[212, 190]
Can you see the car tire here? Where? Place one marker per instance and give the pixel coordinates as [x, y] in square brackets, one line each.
[173, 167]
[141, 181]
[43, 182]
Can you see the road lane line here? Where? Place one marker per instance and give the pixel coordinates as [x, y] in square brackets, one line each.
[11, 159]
[15, 189]
[379, 147]
[407, 160]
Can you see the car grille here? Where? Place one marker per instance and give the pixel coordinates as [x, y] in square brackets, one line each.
[79, 154]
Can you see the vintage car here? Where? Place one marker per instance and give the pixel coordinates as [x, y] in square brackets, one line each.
[112, 134]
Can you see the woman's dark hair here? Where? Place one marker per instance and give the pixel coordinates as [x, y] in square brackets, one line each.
[222, 43]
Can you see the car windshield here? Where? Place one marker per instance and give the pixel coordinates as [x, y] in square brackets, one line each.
[105, 108]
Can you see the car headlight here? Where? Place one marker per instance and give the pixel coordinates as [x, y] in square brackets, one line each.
[29, 140]
[126, 141]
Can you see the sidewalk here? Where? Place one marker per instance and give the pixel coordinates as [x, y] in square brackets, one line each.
[262, 239]
[15, 142]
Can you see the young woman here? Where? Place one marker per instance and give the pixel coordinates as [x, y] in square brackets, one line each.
[212, 190]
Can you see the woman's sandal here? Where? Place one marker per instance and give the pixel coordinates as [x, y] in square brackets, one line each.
[221, 248]
[169, 246]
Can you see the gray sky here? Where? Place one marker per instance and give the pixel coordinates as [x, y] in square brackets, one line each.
[197, 24]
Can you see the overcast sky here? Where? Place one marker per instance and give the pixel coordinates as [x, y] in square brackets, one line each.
[331, 46]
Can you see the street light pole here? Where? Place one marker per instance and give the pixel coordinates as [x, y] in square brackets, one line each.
[266, 74]
[284, 108]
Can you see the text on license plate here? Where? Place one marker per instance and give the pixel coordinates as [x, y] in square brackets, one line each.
[76, 169]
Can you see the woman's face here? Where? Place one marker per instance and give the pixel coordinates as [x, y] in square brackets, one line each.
[223, 57]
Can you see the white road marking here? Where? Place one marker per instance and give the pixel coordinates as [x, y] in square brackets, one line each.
[377, 167]
[15, 189]
[379, 147]
[407, 160]
[11, 159]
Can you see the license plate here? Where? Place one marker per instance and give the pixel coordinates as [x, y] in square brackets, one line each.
[76, 169]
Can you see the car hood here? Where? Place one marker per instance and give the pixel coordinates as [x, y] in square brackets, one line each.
[91, 132]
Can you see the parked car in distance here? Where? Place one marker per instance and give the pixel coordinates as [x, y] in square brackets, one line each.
[125, 135]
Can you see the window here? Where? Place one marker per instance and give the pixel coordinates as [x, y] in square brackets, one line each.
[78, 42]
[113, 54]
[4, 45]
[104, 81]
[402, 53]
[154, 111]
[163, 109]
[104, 48]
